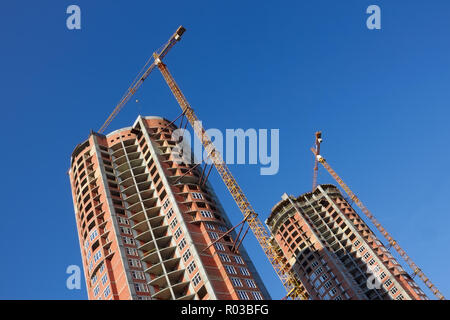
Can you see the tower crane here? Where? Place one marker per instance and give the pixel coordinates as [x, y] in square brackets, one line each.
[316, 163]
[292, 285]
[417, 271]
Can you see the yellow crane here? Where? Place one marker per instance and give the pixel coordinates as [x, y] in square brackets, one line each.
[417, 271]
[294, 288]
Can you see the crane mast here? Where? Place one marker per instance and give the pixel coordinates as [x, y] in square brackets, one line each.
[417, 271]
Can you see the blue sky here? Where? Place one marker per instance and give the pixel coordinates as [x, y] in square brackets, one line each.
[380, 97]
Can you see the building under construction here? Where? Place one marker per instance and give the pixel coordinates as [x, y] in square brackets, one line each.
[146, 222]
[128, 201]
[333, 252]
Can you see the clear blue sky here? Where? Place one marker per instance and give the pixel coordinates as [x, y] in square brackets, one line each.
[380, 97]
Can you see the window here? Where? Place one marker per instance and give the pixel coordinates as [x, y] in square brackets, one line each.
[366, 255]
[182, 244]
[178, 233]
[327, 284]
[86, 244]
[323, 277]
[242, 295]
[196, 280]
[317, 283]
[223, 228]
[213, 235]
[186, 255]
[134, 262]
[138, 275]
[371, 261]
[206, 214]
[102, 267]
[97, 256]
[131, 251]
[88, 255]
[388, 283]
[333, 291]
[318, 271]
[394, 290]
[127, 240]
[169, 213]
[257, 295]
[244, 271]
[312, 276]
[96, 290]
[361, 249]
[125, 230]
[104, 278]
[123, 221]
[196, 195]
[230, 269]
[322, 290]
[238, 260]
[94, 279]
[314, 264]
[224, 257]
[140, 287]
[400, 297]
[356, 243]
[382, 275]
[173, 223]
[219, 246]
[166, 204]
[210, 226]
[191, 267]
[338, 298]
[236, 282]
[93, 234]
[250, 283]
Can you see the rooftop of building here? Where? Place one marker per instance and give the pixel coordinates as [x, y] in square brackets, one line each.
[83, 145]
[285, 200]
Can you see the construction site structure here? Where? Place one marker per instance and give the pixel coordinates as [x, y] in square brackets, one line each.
[392, 243]
[145, 221]
[333, 253]
[293, 288]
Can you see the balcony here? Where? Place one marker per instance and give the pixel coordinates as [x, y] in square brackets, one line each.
[180, 290]
[153, 257]
[150, 245]
[121, 160]
[155, 269]
[163, 294]
[159, 281]
[144, 236]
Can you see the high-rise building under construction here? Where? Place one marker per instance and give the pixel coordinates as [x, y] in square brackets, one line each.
[332, 251]
[145, 222]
